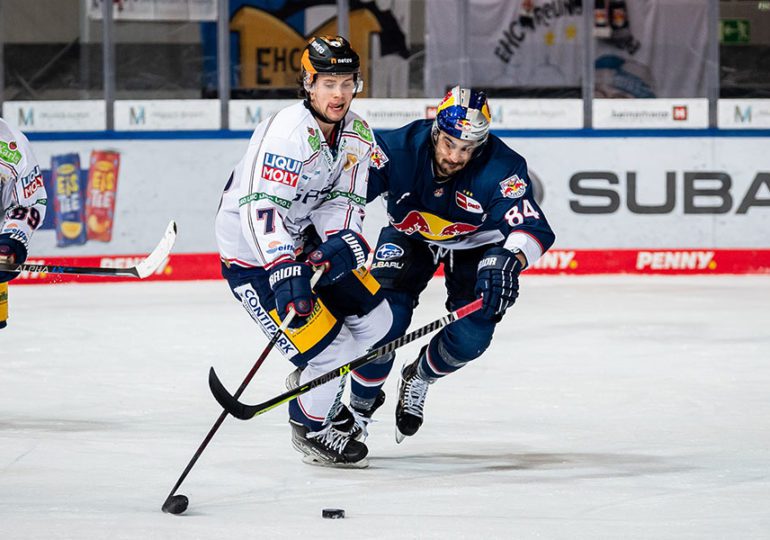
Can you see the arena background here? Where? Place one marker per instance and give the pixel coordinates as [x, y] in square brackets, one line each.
[617, 405]
[647, 159]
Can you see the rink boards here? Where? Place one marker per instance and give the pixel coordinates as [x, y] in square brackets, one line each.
[649, 202]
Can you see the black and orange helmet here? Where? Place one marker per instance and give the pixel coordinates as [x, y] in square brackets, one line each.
[331, 55]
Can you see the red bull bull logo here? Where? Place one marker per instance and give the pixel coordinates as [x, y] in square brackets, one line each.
[378, 158]
[432, 227]
[463, 124]
[513, 187]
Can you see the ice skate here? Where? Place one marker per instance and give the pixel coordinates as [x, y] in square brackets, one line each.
[411, 400]
[328, 447]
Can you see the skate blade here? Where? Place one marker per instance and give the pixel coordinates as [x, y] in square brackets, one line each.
[399, 436]
[316, 462]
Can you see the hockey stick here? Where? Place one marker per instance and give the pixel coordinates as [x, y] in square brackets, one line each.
[176, 504]
[146, 266]
[243, 411]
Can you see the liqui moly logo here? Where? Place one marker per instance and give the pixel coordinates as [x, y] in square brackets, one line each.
[32, 182]
[281, 169]
[675, 260]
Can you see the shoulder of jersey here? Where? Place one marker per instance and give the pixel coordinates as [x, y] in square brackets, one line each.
[358, 128]
[498, 164]
[501, 156]
[290, 121]
[18, 143]
[405, 137]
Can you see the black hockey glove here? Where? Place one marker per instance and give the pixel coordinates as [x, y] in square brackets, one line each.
[290, 282]
[342, 253]
[11, 251]
[497, 281]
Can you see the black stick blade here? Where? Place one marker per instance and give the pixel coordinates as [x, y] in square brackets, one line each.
[175, 504]
[226, 399]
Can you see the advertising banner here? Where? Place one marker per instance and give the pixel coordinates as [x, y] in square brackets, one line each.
[268, 38]
[101, 190]
[651, 113]
[644, 48]
[41, 116]
[743, 113]
[167, 114]
[66, 190]
[394, 113]
[157, 10]
[638, 205]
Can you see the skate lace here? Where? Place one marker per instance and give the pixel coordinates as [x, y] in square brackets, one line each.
[330, 438]
[362, 421]
[414, 396]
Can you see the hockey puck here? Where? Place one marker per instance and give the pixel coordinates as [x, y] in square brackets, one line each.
[176, 504]
[333, 513]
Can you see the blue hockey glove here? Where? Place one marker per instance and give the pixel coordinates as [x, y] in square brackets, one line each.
[11, 251]
[497, 281]
[342, 253]
[290, 282]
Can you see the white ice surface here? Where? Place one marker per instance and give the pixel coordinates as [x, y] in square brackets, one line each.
[607, 407]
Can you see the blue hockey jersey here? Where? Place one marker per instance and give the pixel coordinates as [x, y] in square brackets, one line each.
[490, 201]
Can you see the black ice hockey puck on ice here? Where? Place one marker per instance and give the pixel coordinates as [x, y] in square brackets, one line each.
[333, 513]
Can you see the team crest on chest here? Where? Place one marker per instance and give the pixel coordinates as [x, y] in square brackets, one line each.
[513, 187]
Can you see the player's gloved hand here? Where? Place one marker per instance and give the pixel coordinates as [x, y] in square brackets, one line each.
[11, 251]
[290, 282]
[497, 281]
[342, 253]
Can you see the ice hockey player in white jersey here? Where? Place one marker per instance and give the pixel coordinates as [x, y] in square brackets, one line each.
[22, 197]
[293, 204]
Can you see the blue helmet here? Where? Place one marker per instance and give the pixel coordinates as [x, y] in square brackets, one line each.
[464, 114]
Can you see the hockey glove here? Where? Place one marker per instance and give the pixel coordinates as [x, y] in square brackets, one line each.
[497, 281]
[11, 251]
[290, 282]
[342, 253]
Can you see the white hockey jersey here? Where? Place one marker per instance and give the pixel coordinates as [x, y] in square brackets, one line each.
[288, 180]
[22, 192]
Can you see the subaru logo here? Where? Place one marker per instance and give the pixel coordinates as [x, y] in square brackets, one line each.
[389, 251]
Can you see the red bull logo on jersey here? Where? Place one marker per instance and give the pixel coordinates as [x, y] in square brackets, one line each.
[432, 227]
[513, 187]
[281, 169]
[378, 158]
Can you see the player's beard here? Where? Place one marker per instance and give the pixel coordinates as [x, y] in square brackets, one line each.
[445, 169]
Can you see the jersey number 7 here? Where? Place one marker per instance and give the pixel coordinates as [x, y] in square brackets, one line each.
[267, 214]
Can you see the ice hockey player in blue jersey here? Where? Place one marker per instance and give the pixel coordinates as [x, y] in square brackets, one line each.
[455, 195]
